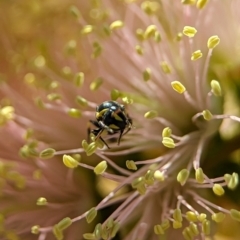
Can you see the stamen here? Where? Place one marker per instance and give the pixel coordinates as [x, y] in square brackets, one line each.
[96, 84]
[69, 161]
[216, 88]
[201, 3]
[147, 74]
[74, 113]
[79, 79]
[189, 31]
[196, 55]
[115, 94]
[91, 215]
[182, 176]
[75, 11]
[47, 153]
[100, 168]
[87, 29]
[218, 217]
[64, 223]
[158, 230]
[42, 201]
[116, 24]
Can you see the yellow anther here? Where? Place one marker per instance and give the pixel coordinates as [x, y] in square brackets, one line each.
[98, 230]
[139, 49]
[194, 229]
[151, 114]
[53, 96]
[115, 94]
[150, 31]
[179, 37]
[47, 153]
[182, 176]
[71, 47]
[235, 214]
[137, 182]
[189, 31]
[97, 50]
[207, 115]
[74, 113]
[64, 223]
[150, 7]
[168, 142]
[199, 175]
[74, 11]
[218, 217]
[141, 189]
[213, 42]
[233, 181]
[116, 24]
[201, 217]
[196, 55]
[6, 114]
[206, 227]
[100, 168]
[29, 78]
[147, 74]
[42, 201]
[177, 215]
[40, 61]
[131, 165]
[81, 101]
[165, 224]
[92, 213]
[127, 100]
[69, 161]
[67, 71]
[167, 131]
[79, 79]
[188, 2]
[57, 232]
[216, 88]
[201, 3]
[114, 229]
[165, 67]
[191, 216]
[140, 34]
[158, 230]
[87, 29]
[158, 175]
[218, 189]
[35, 229]
[90, 236]
[177, 224]
[178, 87]
[95, 85]
[149, 177]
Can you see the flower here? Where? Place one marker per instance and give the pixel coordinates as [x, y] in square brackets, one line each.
[162, 60]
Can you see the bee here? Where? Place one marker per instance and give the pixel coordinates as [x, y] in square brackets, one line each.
[111, 117]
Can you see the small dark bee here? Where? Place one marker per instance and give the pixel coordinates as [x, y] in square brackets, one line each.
[110, 116]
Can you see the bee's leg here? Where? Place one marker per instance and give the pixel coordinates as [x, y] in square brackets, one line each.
[120, 136]
[89, 130]
[104, 142]
[103, 126]
[98, 133]
[129, 126]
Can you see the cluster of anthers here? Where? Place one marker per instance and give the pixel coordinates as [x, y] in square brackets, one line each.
[155, 176]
